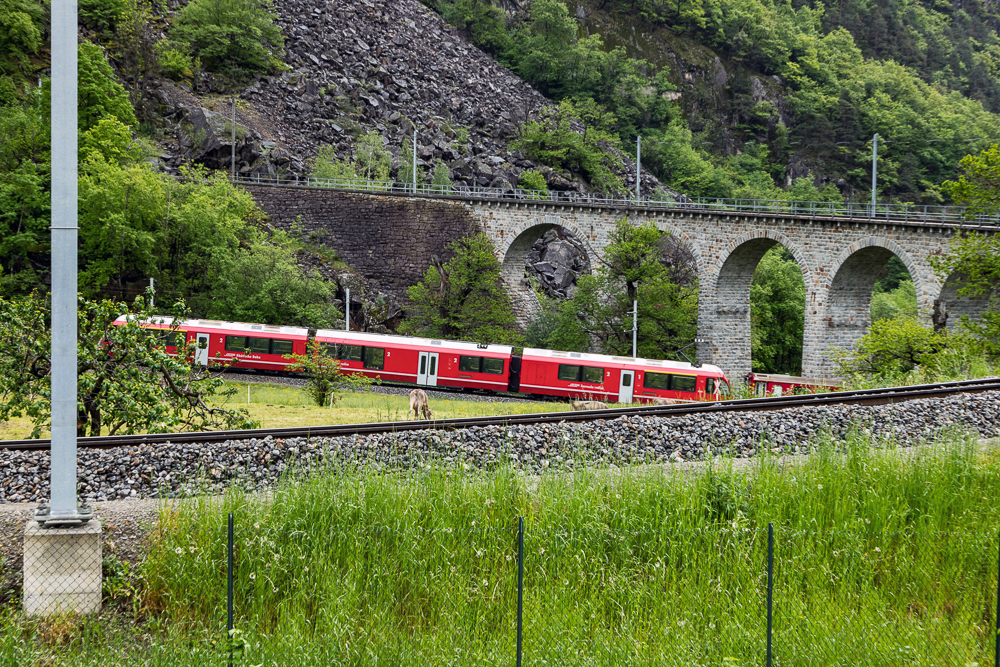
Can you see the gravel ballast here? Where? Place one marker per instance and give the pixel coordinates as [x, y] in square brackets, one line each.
[183, 469]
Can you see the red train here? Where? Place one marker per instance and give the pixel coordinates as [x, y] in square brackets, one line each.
[781, 385]
[460, 365]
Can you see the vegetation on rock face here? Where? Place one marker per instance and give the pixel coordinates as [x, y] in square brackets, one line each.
[463, 299]
[127, 382]
[231, 36]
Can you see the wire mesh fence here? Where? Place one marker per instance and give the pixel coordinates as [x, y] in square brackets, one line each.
[62, 569]
[729, 594]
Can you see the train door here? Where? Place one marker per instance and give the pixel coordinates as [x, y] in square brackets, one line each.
[427, 369]
[201, 352]
[625, 387]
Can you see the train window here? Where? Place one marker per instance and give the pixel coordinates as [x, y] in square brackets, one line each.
[423, 364]
[281, 346]
[259, 345]
[569, 373]
[709, 385]
[202, 343]
[375, 358]
[236, 343]
[350, 352]
[468, 364]
[626, 380]
[656, 381]
[175, 339]
[687, 383]
[494, 366]
[329, 350]
[594, 375]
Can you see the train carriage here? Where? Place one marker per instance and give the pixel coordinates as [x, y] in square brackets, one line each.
[421, 361]
[769, 384]
[580, 375]
[259, 347]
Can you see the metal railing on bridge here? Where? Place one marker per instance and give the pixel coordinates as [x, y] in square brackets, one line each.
[893, 212]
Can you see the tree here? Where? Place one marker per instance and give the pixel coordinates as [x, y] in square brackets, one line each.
[371, 159]
[264, 284]
[127, 381]
[231, 36]
[405, 174]
[463, 299]
[639, 264]
[324, 373]
[976, 259]
[441, 179]
[891, 347]
[100, 94]
[777, 313]
[979, 186]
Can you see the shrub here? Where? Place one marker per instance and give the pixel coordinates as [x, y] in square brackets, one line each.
[231, 36]
[533, 180]
[175, 61]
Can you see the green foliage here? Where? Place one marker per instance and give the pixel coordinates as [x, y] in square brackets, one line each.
[464, 299]
[101, 15]
[264, 284]
[324, 373]
[975, 259]
[175, 61]
[21, 23]
[405, 173]
[900, 302]
[552, 140]
[327, 165]
[441, 177]
[777, 313]
[127, 382]
[892, 347]
[638, 264]
[979, 186]
[101, 96]
[231, 36]
[371, 159]
[532, 180]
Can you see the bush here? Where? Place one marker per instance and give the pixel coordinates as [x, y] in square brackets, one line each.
[101, 15]
[532, 180]
[231, 36]
[175, 61]
[441, 177]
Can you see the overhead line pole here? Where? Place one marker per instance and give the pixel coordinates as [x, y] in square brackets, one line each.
[874, 170]
[64, 231]
[638, 158]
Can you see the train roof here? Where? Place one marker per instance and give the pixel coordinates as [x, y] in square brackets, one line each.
[361, 337]
[242, 327]
[609, 359]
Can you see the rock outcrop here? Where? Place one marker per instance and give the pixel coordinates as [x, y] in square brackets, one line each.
[556, 260]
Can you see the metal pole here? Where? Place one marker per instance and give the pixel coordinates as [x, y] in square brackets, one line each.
[770, 585]
[152, 295]
[520, 584]
[232, 165]
[638, 158]
[229, 592]
[635, 327]
[347, 309]
[414, 159]
[64, 230]
[874, 169]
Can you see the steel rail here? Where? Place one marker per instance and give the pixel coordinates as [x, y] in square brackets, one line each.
[856, 397]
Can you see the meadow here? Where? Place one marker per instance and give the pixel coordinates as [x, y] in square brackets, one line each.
[883, 556]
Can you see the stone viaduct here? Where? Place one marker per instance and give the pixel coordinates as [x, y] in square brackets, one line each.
[392, 239]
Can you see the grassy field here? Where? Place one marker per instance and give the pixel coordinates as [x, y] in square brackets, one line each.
[883, 557]
[277, 406]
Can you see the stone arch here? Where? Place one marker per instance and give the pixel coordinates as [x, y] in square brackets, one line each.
[959, 305]
[513, 251]
[691, 244]
[849, 284]
[724, 299]
[846, 297]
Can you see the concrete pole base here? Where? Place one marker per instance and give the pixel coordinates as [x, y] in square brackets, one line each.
[62, 569]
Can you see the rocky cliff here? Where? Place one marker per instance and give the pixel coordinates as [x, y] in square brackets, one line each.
[359, 65]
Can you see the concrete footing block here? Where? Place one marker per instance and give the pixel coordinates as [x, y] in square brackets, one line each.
[62, 569]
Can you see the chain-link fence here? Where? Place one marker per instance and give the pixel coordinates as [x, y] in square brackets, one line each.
[62, 569]
[727, 594]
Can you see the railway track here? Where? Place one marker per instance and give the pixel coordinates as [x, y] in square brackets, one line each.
[859, 397]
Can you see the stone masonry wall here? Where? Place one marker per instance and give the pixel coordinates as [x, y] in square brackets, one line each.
[390, 239]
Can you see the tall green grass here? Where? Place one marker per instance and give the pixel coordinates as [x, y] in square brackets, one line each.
[883, 557]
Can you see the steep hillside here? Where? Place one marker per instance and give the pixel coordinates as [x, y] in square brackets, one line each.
[359, 65]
